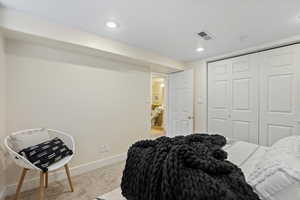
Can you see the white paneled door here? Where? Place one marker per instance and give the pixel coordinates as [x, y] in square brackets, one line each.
[180, 98]
[233, 98]
[244, 98]
[279, 92]
[219, 105]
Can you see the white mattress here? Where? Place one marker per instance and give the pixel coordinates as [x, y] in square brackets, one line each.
[113, 195]
[245, 160]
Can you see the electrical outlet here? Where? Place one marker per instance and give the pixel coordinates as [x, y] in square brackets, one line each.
[103, 148]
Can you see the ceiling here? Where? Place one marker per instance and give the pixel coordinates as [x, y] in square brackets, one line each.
[170, 27]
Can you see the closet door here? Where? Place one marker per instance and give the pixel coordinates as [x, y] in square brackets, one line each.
[244, 97]
[233, 98]
[219, 107]
[279, 94]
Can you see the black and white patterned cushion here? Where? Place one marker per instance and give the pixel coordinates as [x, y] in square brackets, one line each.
[45, 154]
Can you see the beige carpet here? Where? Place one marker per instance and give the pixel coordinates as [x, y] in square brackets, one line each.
[87, 186]
[113, 195]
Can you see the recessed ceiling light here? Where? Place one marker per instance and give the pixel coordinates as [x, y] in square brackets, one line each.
[199, 49]
[112, 24]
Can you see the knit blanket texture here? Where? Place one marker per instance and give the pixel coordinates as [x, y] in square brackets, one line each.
[190, 167]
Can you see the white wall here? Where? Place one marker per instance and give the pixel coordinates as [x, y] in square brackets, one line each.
[2, 112]
[99, 102]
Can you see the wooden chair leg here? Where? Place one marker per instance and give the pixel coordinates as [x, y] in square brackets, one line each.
[69, 177]
[46, 179]
[41, 192]
[24, 171]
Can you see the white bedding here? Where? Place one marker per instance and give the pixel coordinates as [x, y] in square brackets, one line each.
[248, 160]
[243, 154]
[251, 153]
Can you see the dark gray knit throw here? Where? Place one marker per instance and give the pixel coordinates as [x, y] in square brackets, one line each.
[183, 168]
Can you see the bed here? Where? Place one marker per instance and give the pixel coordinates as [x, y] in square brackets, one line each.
[247, 156]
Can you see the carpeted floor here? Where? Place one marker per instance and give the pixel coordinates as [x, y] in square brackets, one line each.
[157, 132]
[87, 186]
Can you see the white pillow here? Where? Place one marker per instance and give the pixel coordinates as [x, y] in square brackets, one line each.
[24, 140]
[286, 150]
[273, 179]
[278, 171]
[288, 144]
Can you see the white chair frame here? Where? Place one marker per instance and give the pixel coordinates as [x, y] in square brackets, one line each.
[26, 165]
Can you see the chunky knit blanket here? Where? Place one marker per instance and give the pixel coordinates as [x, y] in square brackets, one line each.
[183, 168]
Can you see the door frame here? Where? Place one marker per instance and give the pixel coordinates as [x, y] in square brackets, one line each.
[166, 99]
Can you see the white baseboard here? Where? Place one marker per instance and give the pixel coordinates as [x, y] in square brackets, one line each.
[60, 175]
[3, 193]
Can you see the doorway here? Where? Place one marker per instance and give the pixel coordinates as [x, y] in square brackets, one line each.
[158, 105]
[172, 104]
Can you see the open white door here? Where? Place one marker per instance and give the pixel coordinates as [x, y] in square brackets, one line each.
[181, 104]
